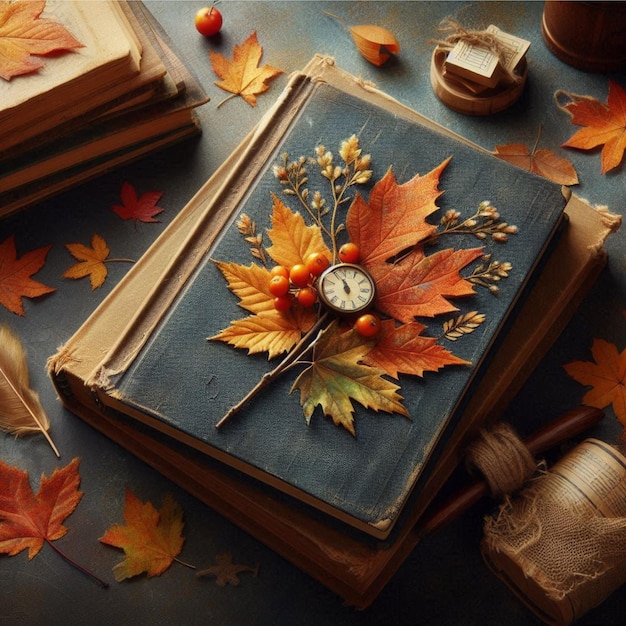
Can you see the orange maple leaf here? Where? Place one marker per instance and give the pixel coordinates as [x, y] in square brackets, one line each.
[242, 76]
[404, 350]
[15, 275]
[607, 377]
[151, 539]
[24, 33]
[604, 125]
[394, 219]
[91, 261]
[142, 208]
[543, 162]
[28, 520]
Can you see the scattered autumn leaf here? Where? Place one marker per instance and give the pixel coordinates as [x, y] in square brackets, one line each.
[606, 377]
[151, 539]
[336, 377]
[543, 162]
[604, 125]
[91, 261]
[375, 43]
[15, 275]
[242, 75]
[24, 34]
[225, 571]
[28, 520]
[142, 209]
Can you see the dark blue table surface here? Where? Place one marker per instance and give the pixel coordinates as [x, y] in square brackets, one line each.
[445, 580]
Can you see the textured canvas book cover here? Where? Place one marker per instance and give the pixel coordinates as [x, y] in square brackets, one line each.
[447, 238]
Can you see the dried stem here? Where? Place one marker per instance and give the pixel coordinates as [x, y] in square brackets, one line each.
[298, 350]
[102, 583]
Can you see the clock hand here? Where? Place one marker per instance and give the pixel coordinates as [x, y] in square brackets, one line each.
[346, 287]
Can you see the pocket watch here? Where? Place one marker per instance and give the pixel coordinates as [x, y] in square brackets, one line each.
[346, 288]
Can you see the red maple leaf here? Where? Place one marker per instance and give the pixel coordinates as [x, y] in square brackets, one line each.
[404, 350]
[28, 520]
[15, 275]
[142, 208]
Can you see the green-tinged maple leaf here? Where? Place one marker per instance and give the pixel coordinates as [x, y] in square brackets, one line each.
[292, 239]
[151, 539]
[15, 275]
[269, 331]
[24, 34]
[420, 285]
[28, 520]
[336, 377]
[394, 217]
[606, 377]
[404, 350]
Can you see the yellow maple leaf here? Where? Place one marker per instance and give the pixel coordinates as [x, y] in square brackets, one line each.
[242, 75]
[91, 261]
[607, 377]
[250, 283]
[269, 331]
[151, 539]
[292, 239]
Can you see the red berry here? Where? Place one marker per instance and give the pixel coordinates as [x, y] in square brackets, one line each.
[208, 21]
[307, 296]
[283, 303]
[349, 253]
[299, 275]
[279, 285]
[317, 262]
[367, 325]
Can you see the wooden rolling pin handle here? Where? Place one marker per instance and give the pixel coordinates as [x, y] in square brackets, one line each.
[568, 425]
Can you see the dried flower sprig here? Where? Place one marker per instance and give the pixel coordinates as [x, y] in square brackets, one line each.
[247, 228]
[354, 170]
[485, 221]
[490, 272]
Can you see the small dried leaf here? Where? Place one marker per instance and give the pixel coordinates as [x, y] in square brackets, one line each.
[375, 43]
[543, 162]
[463, 325]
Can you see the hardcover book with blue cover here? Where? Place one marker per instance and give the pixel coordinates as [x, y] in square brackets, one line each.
[334, 373]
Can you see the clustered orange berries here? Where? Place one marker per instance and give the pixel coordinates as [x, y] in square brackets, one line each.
[297, 284]
[289, 284]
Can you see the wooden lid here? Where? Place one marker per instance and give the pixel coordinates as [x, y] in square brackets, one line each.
[453, 95]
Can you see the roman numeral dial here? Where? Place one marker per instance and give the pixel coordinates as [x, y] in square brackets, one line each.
[346, 288]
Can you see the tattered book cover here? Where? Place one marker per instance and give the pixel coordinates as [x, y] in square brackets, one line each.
[327, 341]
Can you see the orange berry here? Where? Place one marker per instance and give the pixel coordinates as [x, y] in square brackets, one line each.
[279, 285]
[283, 303]
[367, 325]
[307, 296]
[317, 262]
[349, 253]
[299, 275]
[280, 270]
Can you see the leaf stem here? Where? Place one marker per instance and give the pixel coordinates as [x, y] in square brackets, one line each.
[184, 563]
[102, 583]
[119, 260]
[300, 348]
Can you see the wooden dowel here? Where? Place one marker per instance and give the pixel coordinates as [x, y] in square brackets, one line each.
[568, 425]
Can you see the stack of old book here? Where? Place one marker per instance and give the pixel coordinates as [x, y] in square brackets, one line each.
[120, 93]
[347, 510]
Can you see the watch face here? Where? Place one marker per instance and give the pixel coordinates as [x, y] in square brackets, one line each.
[346, 288]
